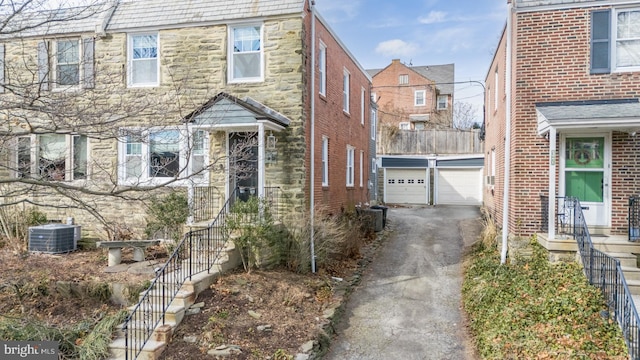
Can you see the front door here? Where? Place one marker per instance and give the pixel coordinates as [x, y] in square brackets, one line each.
[243, 163]
[586, 174]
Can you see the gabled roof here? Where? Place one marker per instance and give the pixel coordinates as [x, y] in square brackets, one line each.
[162, 13]
[613, 114]
[227, 111]
[442, 75]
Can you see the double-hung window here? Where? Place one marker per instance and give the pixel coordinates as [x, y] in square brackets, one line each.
[67, 62]
[419, 98]
[143, 58]
[615, 40]
[361, 168]
[374, 120]
[345, 90]
[363, 96]
[350, 165]
[443, 102]
[154, 156]
[54, 157]
[325, 161]
[246, 53]
[322, 68]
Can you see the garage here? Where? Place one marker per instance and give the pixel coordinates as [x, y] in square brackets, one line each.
[459, 181]
[406, 179]
[406, 186]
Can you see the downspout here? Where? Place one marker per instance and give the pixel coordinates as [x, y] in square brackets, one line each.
[507, 145]
[312, 181]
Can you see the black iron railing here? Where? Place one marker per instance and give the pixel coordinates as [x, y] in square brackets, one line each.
[206, 203]
[198, 252]
[605, 272]
[634, 218]
[564, 214]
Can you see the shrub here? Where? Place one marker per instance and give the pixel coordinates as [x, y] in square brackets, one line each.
[167, 215]
[536, 309]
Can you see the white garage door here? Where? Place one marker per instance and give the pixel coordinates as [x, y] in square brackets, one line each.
[406, 186]
[459, 187]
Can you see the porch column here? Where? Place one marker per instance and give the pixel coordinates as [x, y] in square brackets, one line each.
[551, 216]
[260, 160]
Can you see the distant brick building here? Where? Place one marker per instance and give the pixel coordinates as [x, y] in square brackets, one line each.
[414, 97]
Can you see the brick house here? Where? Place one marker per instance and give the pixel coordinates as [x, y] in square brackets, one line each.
[140, 96]
[414, 97]
[562, 114]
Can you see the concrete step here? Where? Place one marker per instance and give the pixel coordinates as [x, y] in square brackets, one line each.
[626, 259]
[151, 350]
[137, 330]
[183, 298]
[631, 273]
[634, 286]
[174, 313]
[615, 245]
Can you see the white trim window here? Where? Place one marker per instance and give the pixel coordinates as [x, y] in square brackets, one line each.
[350, 165]
[405, 125]
[143, 59]
[66, 71]
[403, 79]
[495, 89]
[363, 96]
[627, 39]
[615, 40]
[246, 56]
[374, 167]
[322, 68]
[374, 120]
[419, 98]
[443, 102]
[345, 90]
[361, 168]
[325, 161]
[156, 156]
[52, 157]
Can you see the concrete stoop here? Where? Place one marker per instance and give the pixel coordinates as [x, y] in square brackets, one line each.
[175, 313]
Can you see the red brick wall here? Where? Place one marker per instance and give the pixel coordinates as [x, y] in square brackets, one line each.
[551, 63]
[495, 133]
[396, 102]
[340, 128]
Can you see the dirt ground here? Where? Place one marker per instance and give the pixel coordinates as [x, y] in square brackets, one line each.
[267, 314]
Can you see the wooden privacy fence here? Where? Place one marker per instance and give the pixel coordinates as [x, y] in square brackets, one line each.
[424, 142]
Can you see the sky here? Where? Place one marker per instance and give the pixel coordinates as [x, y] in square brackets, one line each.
[422, 32]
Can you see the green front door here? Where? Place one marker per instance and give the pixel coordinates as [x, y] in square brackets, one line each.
[585, 175]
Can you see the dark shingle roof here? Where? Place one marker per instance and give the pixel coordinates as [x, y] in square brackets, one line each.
[442, 75]
[159, 13]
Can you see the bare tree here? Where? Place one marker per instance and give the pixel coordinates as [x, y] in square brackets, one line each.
[70, 134]
[465, 115]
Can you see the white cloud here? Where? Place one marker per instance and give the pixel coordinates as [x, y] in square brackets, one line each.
[396, 48]
[339, 10]
[433, 17]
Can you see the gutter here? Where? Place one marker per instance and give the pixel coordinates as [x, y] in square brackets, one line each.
[507, 145]
[312, 181]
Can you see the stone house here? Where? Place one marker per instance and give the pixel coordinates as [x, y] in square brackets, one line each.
[414, 97]
[562, 115]
[106, 104]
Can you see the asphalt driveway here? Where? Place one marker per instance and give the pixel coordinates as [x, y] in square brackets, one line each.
[408, 303]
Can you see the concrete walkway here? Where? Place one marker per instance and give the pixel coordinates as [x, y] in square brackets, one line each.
[408, 303]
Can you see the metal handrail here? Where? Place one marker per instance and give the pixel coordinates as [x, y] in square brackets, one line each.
[198, 251]
[605, 272]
